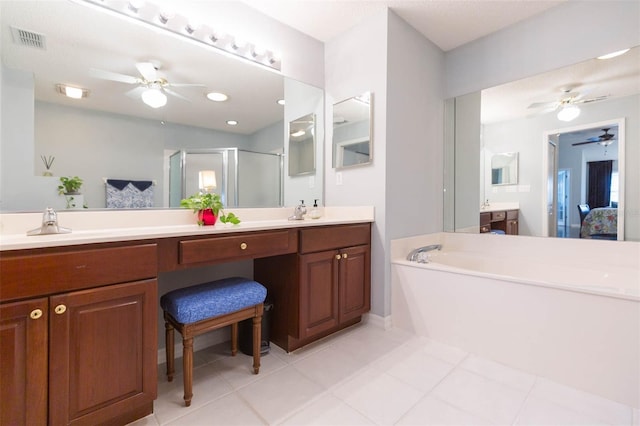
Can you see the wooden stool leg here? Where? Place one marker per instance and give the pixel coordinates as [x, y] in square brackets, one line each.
[234, 339]
[187, 367]
[257, 343]
[168, 333]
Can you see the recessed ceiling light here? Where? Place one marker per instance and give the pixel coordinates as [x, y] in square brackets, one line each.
[217, 97]
[72, 92]
[280, 101]
[232, 122]
[613, 54]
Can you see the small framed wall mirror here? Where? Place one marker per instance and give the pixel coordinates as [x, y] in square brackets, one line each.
[504, 168]
[352, 124]
[302, 145]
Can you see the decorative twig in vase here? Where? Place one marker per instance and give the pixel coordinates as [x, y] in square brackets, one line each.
[48, 161]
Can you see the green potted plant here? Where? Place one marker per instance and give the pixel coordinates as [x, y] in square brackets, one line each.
[208, 207]
[70, 188]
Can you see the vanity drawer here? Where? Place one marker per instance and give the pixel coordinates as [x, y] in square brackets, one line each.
[38, 273]
[334, 237]
[498, 216]
[485, 218]
[512, 214]
[250, 245]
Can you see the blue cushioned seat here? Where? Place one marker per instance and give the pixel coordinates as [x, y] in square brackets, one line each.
[199, 302]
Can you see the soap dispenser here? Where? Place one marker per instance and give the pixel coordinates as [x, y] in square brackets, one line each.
[315, 211]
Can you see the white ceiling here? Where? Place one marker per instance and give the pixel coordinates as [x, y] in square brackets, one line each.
[447, 23]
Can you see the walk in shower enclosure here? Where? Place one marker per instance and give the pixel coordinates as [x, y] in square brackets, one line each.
[244, 178]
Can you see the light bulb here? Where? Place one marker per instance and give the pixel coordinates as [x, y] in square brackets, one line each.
[154, 98]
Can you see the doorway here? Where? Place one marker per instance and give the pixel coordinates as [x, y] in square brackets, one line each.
[564, 190]
[572, 149]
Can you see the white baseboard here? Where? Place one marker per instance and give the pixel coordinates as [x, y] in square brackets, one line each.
[377, 321]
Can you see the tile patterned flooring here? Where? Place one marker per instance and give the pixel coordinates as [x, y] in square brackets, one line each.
[369, 376]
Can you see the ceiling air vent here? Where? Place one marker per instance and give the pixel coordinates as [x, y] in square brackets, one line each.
[28, 38]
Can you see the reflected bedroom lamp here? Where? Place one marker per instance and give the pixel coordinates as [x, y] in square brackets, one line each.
[207, 181]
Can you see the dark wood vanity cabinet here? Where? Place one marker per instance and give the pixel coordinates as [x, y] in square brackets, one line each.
[86, 356]
[323, 288]
[503, 220]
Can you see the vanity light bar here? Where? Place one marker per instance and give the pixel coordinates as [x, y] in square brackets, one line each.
[159, 18]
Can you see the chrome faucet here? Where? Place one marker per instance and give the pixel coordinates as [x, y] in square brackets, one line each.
[414, 256]
[299, 211]
[485, 204]
[49, 224]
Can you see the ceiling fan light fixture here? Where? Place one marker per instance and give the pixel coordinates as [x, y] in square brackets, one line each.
[154, 98]
[568, 113]
[232, 122]
[298, 133]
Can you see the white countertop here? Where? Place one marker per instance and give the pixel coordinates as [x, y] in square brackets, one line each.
[111, 226]
[497, 207]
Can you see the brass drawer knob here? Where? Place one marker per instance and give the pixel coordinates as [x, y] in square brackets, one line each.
[344, 255]
[243, 246]
[60, 309]
[36, 313]
[338, 256]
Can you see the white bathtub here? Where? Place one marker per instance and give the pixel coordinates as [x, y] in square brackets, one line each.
[568, 310]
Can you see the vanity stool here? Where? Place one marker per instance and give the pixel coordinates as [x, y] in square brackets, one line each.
[206, 307]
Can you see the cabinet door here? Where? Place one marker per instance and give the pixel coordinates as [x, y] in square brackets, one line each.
[512, 227]
[355, 282]
[23, 362]
[103, 353]
[318, 309]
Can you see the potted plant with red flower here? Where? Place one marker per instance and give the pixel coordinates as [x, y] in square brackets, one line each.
[208, 207]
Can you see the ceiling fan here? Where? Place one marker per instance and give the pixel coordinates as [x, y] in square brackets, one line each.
[152, 88]
[567, 104]
[604, 139]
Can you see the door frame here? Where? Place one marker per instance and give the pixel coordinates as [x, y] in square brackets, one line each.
[620, 122]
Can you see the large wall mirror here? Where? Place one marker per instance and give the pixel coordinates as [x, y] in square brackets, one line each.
[352, 131]
[111, 132]
[557, 154]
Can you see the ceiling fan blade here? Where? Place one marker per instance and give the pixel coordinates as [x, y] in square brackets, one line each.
[113, 76]
[176, 94]
[147, 70]
[596, 99]
[185, 85]
[584, 143]
[553, 105]
[136, 93]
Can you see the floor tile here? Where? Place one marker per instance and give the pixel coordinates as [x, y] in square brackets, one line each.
[226, 411]
[207, 386]
[379, 396]
[277, 395]
[416, 368]
[150, 420]
[327, 410]
[439, 350]
[480, 396]
[238, 370]
[329, 366]
[432, 411]
[499, 373]
[592, 405]
[537, 411]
